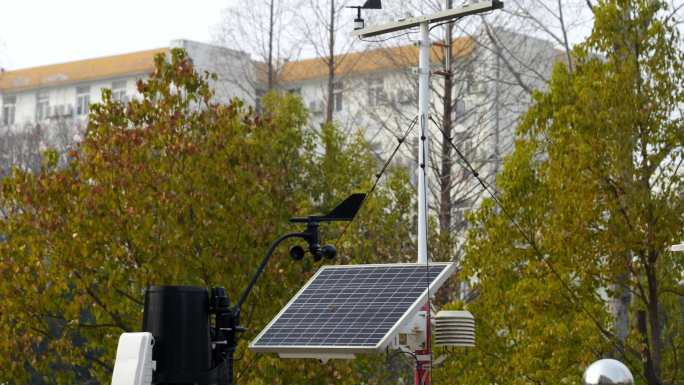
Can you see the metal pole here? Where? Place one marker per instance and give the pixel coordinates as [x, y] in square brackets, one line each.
[421, 373]
[423, 153]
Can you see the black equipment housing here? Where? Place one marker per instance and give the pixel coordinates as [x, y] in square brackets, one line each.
[179, 319]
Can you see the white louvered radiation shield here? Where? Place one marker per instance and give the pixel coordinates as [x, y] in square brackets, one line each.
[454, 328]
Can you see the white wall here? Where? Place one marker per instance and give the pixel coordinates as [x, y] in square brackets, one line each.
[236, 76]
[226, 63]
[25, 107]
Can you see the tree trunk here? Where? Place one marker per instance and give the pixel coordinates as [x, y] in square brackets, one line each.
[330, 107]
[649, 370]
[620, 310]
[447, 104]
[654, 322]
[271, 31]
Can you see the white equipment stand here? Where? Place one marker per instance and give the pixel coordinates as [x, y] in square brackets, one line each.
[134, 365]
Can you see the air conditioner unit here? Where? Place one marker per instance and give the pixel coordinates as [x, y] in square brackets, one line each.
[56, 111]
[316, 107]
[478, 87]
[383, 100]
[404, 96]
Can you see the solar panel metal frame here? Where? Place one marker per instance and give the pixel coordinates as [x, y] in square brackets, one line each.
[331, 351]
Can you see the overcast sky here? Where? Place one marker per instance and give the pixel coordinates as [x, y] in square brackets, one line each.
[37, 32]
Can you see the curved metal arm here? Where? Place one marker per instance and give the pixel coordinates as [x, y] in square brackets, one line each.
[262, 266]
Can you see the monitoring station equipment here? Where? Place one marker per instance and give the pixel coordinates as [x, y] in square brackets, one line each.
[190, 333]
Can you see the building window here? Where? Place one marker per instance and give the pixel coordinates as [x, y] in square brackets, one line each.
[59, 111]
[376, 92]
[119, 91]
[474, 86]
[82, 100]
[462, 207]
[337, 95]
[464, 143]
[9, 103]
[42, 106]
[296, 91]
[458, 111]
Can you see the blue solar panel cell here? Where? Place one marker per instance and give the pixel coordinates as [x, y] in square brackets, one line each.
[350, 306]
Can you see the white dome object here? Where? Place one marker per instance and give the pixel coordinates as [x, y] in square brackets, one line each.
[607, 372]
[454, 328]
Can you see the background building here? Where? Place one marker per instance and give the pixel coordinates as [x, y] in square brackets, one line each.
[374, 91]
[47, 106]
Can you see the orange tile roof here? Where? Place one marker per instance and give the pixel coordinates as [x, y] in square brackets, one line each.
[368, 61]
[77, 71]
[292, 72]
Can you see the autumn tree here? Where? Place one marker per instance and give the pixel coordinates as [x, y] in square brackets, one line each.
[172, 188]
[592, 194]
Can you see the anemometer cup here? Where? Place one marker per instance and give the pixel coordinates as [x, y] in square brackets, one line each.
[344, 212]
[297, 253]
[329, 252]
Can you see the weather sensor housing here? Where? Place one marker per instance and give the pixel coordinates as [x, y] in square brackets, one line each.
[369, 4]
[178, 317]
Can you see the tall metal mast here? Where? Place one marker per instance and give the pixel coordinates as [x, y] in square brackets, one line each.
[423, 151]
[424, 355]
[424, 22]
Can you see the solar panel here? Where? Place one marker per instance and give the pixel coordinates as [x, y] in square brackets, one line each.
[344, 310]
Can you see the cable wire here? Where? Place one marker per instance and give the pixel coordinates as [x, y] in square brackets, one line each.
[378, 176]
[446, 22]
[388, 38]
[494, 195]
[487, 187]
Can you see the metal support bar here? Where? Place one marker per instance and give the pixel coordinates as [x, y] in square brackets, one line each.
[423, 153]
[262, 266]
